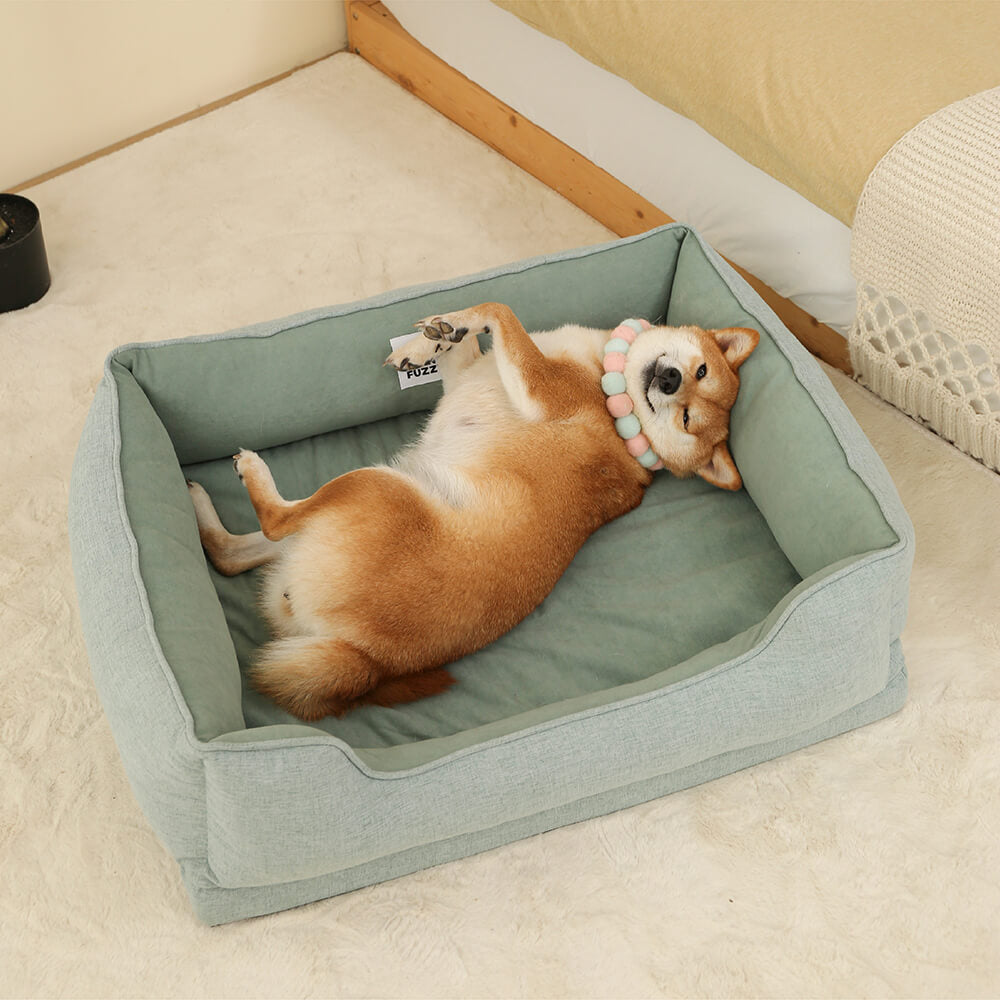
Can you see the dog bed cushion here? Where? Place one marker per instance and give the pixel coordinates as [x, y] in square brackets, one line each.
[701, 633]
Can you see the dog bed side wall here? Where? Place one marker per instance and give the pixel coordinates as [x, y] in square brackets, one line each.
[330, 812]
[150, 721]
[294, 378]
[216, 904]
[805, 463]
[190, 626]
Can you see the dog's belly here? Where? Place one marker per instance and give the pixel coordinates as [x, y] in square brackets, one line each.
[276, 592]
[453, 450]
[476, 416]
[303, 588]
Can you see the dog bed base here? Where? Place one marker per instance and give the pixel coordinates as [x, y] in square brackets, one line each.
[264, 812]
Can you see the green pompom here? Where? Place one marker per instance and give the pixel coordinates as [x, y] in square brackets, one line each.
[628, 426]
[613, 383]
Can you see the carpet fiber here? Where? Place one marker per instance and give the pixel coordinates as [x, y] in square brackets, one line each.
[864, 866]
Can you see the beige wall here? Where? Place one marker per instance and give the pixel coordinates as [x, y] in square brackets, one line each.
[79, 75]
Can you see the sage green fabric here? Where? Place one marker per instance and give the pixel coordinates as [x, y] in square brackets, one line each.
[185, 608]
[756, 622]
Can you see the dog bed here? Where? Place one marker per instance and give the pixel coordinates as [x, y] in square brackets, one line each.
[701, 633]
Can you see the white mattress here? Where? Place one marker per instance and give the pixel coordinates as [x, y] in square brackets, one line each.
[799, 250]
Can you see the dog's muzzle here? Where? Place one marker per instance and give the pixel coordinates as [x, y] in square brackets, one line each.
[669, 380]
[664, 376]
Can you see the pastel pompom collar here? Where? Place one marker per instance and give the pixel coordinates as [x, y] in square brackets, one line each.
[619, 402]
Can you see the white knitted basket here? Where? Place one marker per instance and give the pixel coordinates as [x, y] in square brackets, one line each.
[925, 251]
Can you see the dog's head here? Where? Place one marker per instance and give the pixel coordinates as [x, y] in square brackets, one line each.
[683, 384]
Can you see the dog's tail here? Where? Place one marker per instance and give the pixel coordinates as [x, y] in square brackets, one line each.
[410, 688]
[312, 677]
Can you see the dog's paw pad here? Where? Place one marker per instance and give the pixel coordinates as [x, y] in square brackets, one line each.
[434, 328]
[438, 328]
[413, 354]
[405, 364]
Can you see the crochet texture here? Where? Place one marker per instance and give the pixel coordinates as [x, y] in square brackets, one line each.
[926, 254]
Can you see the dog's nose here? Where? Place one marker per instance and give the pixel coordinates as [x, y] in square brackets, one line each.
[669, 380]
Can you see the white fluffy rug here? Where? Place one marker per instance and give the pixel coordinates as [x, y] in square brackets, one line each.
[864, 866]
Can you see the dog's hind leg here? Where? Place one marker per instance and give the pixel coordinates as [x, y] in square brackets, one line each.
[352, 496]
[230, 554]
[278, 517]
[361, 490]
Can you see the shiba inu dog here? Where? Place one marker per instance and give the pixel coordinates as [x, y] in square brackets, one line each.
[532, 447]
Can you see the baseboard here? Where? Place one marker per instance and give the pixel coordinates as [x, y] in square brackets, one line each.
[375, 35]
[198, 112]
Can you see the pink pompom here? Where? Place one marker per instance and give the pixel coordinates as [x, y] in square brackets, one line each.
[625, 332]
[659, 465]
[645, 325]
[614, 362]
[619, 405]
[638, 445]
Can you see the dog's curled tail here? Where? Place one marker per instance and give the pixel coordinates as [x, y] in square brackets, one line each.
[412, 687]
[312, 677]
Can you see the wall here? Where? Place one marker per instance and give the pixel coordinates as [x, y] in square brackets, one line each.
[79, 75]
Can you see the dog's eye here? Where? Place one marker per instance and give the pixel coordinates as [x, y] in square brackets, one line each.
[685, 417]
[701, 372]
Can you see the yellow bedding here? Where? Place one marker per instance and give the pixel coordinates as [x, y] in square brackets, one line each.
[813, 93]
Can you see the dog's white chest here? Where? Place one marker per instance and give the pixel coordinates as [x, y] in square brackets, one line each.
[458, 436]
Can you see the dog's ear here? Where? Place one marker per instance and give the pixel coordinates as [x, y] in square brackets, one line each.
[720, 470]
[736, 343]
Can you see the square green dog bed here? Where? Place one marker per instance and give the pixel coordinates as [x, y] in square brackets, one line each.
[701, 633]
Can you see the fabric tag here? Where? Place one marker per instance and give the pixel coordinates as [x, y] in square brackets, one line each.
[417, 376]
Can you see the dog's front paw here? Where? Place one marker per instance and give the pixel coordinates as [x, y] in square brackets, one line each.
[414, 353]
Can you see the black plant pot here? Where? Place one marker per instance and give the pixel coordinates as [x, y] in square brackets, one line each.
[24, 268]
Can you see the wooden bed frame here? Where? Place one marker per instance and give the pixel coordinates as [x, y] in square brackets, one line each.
[375, 35]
